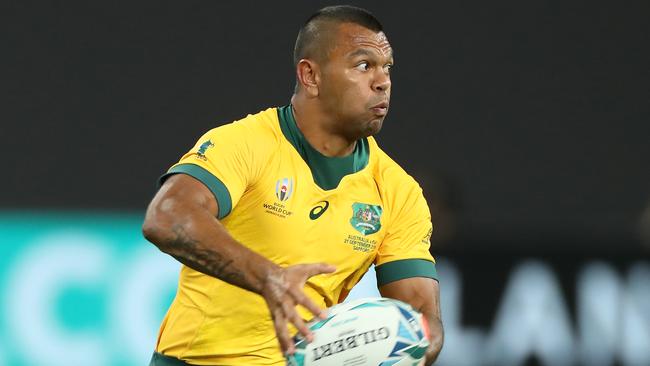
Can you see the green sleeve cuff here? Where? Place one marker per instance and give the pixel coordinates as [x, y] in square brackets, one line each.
[405, 268]
[213, 183]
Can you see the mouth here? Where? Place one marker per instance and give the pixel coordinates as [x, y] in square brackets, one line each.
[380, 109]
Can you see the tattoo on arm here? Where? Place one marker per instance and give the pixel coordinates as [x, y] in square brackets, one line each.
[191, 253]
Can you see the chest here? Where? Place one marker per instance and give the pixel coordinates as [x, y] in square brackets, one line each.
[288, 218]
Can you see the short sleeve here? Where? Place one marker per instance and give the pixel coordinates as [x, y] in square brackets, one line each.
[223, 160]
[404, 252]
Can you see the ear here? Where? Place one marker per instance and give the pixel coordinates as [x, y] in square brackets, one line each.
[308, 75]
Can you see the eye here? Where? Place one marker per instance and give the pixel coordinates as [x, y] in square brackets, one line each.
[363, 66]
[388, 67]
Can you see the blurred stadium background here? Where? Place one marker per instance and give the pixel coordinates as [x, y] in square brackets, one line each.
[527, 124]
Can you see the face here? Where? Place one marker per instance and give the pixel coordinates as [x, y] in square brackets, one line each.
[355, 81]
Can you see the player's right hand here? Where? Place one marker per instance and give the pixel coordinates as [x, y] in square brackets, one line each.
[283, 290]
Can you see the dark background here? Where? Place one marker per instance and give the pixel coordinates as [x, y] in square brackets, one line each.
[527, 123]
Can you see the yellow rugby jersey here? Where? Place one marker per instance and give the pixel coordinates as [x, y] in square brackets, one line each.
[280, 197]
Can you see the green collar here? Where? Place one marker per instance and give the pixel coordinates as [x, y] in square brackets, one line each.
[327, 171]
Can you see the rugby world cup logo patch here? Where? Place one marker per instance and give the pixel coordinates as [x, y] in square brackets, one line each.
[284, 188]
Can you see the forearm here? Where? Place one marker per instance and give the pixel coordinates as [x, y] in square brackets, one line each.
[423, 294]
[181, 220]
[428, 303]
[436, 332]
[197, 239]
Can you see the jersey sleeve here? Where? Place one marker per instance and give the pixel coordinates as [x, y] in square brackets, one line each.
[404, 252]
[223, 159]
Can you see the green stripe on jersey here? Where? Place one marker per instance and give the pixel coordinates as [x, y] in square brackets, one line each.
[158, 359]
[405, 268]
[213, 183]
[327, 171]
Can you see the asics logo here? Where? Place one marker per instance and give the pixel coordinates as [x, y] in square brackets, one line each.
[317, 211]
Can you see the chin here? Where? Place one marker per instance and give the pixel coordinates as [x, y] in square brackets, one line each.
[374, 127]
[368, 132]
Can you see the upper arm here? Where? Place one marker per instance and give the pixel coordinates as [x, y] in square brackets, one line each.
[180, 198]
[420, 292]
[404, 252]
[184, 190]
[405, 268]
[223, 163]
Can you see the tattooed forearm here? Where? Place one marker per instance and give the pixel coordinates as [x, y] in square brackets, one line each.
[193, 254]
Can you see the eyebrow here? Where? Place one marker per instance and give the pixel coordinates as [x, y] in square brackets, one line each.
[366, 52]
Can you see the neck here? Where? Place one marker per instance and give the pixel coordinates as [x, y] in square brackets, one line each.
[315, 124]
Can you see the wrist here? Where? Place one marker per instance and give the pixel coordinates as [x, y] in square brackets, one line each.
[267, 273]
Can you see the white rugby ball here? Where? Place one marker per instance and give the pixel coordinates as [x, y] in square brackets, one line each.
[365, 332]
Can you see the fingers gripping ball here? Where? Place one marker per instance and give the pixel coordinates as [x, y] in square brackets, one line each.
[371, 331]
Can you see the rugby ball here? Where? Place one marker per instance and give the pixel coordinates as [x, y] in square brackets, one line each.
[365, 332]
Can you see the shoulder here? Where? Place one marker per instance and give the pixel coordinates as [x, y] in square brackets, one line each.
[387, 171]
[399, 190]
[260, 129]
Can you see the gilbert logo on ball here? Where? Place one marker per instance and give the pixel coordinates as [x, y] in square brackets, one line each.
[372, 332]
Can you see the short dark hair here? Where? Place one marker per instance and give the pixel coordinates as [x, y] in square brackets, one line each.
[314, 35]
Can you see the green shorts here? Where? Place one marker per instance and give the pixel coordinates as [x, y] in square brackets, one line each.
[158, 359]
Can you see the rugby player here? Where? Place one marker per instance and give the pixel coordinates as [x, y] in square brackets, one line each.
[278, 215]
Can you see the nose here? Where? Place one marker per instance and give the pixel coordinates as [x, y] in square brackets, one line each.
[382, 81]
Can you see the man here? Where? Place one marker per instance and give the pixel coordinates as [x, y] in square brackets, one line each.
[253, 206]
